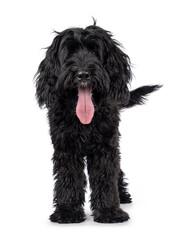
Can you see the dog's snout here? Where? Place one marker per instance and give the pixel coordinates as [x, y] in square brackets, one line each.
[83, 75]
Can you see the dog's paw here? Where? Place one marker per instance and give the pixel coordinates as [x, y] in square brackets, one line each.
[68, 216]
[113, 215]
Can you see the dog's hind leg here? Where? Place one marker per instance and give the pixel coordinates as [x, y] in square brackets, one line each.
[124, 196]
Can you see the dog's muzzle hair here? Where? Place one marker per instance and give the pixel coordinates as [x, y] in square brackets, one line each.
[83, 69]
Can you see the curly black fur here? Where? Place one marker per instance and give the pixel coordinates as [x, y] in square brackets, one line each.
[107, 72]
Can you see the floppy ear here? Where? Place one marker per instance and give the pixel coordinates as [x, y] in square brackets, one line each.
[118, 67]
[47, 75]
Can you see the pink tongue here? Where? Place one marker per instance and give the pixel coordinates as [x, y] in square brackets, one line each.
[85, 107]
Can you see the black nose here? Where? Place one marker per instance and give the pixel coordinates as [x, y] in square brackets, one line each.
[83, 75]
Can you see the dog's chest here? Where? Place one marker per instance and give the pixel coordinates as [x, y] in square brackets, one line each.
[91, 137]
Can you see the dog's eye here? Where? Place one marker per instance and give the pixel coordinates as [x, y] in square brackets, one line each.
[96, 53]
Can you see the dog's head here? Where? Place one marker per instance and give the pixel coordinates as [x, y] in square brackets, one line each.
[86, 64]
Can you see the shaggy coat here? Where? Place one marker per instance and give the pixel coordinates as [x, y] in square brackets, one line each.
[83, 82]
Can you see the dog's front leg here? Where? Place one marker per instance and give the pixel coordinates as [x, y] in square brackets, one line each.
[103, 169]
[69, 193]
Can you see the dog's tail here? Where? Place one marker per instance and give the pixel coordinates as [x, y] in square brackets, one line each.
[138, 96]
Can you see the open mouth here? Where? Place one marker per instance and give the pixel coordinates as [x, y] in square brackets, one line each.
[85, 106]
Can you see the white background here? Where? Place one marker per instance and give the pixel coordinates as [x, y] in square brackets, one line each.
[149, 31]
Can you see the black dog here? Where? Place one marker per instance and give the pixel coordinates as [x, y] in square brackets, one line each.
[83, 82]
